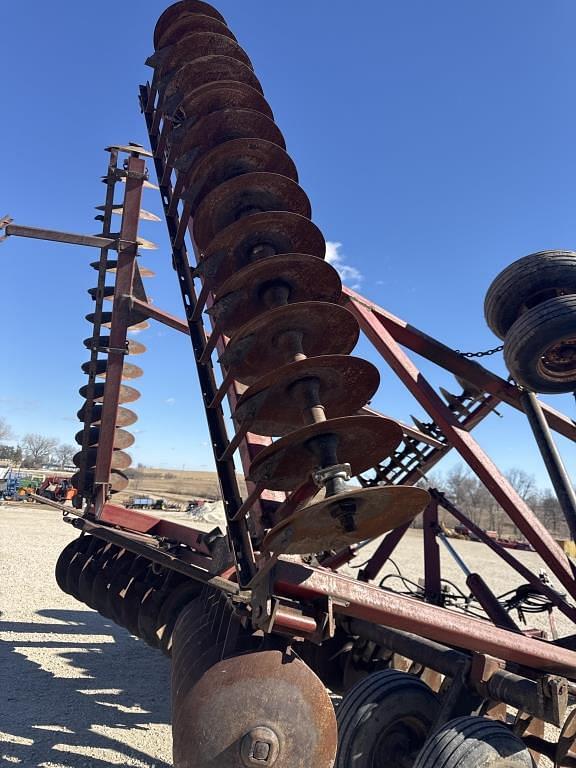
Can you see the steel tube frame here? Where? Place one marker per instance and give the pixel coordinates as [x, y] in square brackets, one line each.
[552, 460]
[125, 271]
[365, 601]
[459, 438]
[431, 349]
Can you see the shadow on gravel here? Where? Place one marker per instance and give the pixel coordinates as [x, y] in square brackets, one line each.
[59, 694]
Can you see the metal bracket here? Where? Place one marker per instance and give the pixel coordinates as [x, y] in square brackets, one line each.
[323, 475]
[4, 221]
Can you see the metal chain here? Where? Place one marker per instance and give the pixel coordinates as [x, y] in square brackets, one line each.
[486, 352]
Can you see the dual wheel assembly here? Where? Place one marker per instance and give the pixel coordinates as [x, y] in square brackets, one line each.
[531, 306]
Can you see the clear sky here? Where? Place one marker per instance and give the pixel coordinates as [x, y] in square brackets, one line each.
[434, 139]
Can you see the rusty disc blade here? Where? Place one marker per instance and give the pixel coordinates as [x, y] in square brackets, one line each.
[187, 25]
[321, 527]
[231, 159]
[266, 701]
[244, 195]
[122, 438]
[217, 96]
[240, 298]
[129, 370]
[274, 406]
[102, 343]
[124, 416]
[362, 441]
[118, 480]
[179, 10]
[196, 45]
[188, 145]
[127, 394]
[207, 69]
[120, 460]
[137, 321]
[112, 264]
[107, 292]
[256, 237]
[263, 344]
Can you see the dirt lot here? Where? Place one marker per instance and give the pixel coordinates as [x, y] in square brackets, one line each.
[174, 485]
[79, 691]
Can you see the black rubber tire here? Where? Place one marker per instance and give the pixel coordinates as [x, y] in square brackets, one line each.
[474, 742]
[536, 331]
[526, 283]
[384, 720]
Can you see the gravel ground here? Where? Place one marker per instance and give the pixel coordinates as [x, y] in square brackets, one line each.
[79, 691]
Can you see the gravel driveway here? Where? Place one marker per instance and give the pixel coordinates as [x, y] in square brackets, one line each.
[77, 690]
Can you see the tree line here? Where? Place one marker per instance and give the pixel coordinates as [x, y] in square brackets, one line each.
[466, 491]
[34, 450]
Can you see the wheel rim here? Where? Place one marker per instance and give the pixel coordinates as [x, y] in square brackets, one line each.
[558, 362]
[398, 745]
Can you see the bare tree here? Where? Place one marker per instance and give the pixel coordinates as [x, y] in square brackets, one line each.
[5, 430]
[37, 449]
[64, 453]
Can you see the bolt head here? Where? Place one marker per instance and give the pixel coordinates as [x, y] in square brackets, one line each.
[259, 747]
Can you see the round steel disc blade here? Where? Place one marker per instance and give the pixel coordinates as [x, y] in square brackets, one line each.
[208, 69]
[273, 406]
[240, 298]
[246, 702]
[112, 264]
[129, 370]
[187, 25]
[239, 197]
[217, 128]
[180, 10]
[171, 608]
[124, 416]
[63, 563]
[148, 616]
[257, 348]
[196, 45]
[136, 324]
[218, 96]
[362, 441]
[130, 605]
[118, 480]
[238, 244]
[122, 438]
[103, 343]
[107, 292]
[120, 460]
[232, 159]
[317, 528]
[127, 394]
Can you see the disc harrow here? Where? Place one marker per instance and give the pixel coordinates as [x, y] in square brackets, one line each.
[257, 620]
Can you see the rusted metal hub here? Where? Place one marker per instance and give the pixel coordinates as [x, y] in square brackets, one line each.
[260, 747]
[259, 709]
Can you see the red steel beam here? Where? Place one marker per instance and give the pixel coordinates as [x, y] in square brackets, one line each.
[365, 601]
[131, 520]
[154, 313]
[464, 443]
[127, 251]
[433, 350]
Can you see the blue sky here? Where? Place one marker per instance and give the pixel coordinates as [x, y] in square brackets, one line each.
[434, 139]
